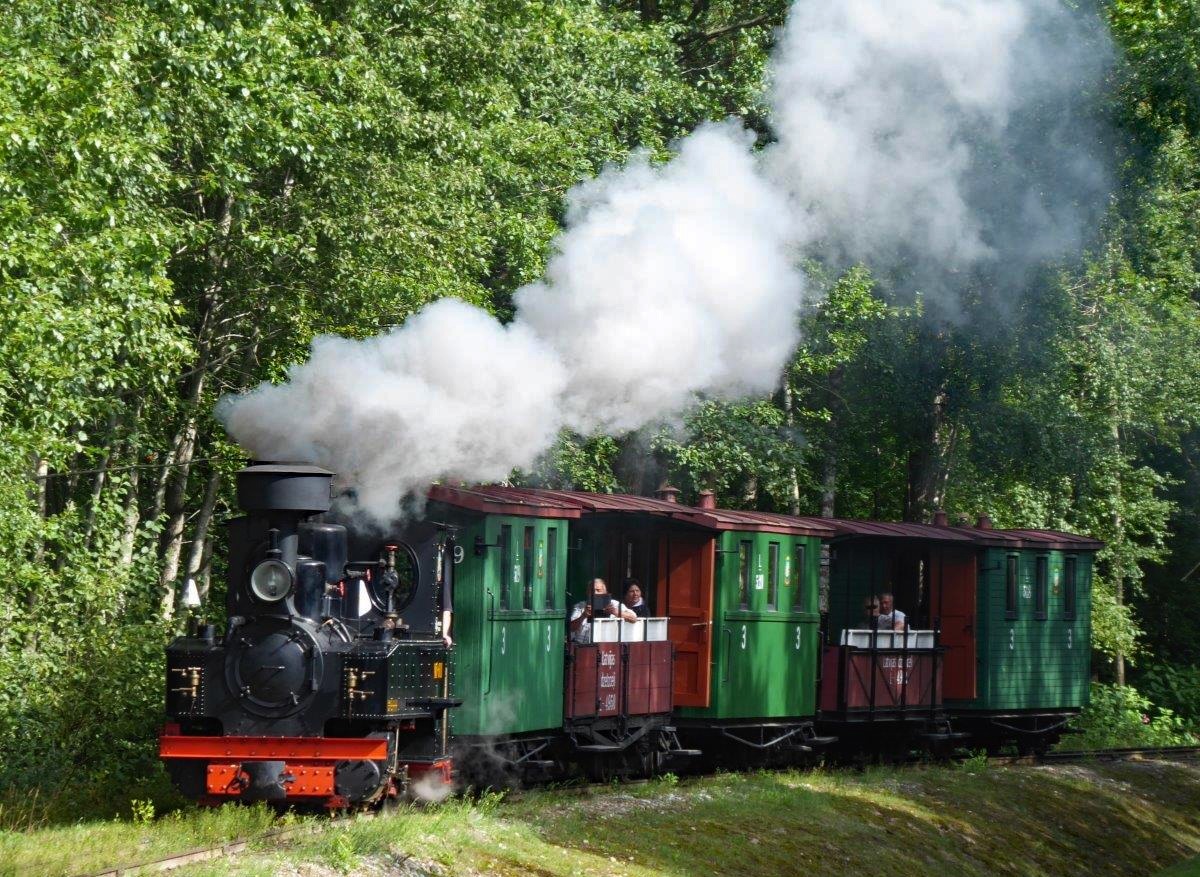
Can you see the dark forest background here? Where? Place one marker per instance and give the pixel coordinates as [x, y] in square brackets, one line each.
[190, 191]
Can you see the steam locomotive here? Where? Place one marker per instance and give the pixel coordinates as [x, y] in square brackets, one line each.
[330, 683]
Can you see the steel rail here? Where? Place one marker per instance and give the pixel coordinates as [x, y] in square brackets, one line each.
[1083, 756]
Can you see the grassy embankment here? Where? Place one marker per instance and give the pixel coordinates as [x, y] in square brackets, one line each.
[1126, 818]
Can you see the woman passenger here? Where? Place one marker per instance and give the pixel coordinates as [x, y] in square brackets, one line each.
[633, 599]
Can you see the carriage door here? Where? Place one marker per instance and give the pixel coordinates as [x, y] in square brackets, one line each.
[685, 594]
[954, 585]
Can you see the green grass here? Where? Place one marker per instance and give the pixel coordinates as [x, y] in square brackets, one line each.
[90, 846]
[1120, 818]
[1190, 868]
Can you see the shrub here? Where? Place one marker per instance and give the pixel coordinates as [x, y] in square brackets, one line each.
[1176, 688]
[1119, 716]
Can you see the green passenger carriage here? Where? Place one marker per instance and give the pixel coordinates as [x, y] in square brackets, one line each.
[1009, 613]
[763, 632]
[1030, 630]
[509, 616]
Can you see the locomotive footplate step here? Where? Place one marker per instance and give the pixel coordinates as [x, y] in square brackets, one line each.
[599, 747]
[685, 753]
[821, 741]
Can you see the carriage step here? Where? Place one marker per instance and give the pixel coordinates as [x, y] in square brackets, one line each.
[821, 741]
[599, 747]
[688, 753]
[537, 764]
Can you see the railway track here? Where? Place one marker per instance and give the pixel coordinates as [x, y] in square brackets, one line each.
[1086, 755]
[279, 835]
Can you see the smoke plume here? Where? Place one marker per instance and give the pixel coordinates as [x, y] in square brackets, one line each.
[935, 135]
[942, 134]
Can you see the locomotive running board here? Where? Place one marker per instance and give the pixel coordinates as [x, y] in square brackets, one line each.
[290, 749]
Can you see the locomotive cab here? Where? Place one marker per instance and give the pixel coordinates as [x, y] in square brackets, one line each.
[318, 691]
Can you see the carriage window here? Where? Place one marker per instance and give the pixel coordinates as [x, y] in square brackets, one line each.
[551, 565]
[505, 563]
[1010, 588]
[801, 570]
[744, 575]
[1069, 568]
[773, 575]
[527, 566]
[1039, 594]
[1039, 606]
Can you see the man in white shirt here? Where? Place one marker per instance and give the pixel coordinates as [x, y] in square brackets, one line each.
[581, 615]
[889, 618]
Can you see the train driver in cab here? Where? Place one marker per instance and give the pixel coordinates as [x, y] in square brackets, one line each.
[601, 603]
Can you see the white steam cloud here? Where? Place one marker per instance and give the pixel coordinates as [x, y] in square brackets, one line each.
[912, 133]
[941, 132]
[668, 282]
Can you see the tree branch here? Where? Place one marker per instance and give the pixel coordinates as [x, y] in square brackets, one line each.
[708, 36]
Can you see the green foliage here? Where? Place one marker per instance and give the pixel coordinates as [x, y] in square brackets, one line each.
[1118, 716]
[1176, 688]
[578, 463]
[727, 447]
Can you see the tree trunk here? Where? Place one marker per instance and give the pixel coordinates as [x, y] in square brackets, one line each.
[750, 493]
[200, 536]
[172, 534]
[98, 481]
[176, 488]
[204, 577]
[131, 518]
[41, 469]
[928, 465]
[789, 419]
[1118, 528]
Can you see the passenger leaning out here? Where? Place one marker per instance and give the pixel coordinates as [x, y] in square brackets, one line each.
[600, 604]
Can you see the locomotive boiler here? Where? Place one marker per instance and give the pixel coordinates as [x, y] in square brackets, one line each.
[329, 683]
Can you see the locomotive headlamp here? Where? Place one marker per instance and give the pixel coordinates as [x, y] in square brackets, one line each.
[271, 581]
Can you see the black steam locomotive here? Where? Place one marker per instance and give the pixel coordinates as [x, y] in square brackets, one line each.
[330, 683]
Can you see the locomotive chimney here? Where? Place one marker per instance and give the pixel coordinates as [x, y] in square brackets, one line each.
[667, 493]
[984, 522]
[284, 493]
[939, 518]
[708, 500]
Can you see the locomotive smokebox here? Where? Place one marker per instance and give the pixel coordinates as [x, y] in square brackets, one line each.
[283, 493]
